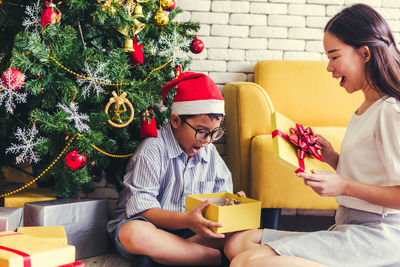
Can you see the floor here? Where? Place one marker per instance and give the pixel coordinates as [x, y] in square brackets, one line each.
[108, 260]
[290, 223]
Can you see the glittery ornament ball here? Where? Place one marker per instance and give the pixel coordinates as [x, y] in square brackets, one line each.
[13, 79]
[161, 18]
[74, 160]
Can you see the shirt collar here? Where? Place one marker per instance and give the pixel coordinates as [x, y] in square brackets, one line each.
[174, 150]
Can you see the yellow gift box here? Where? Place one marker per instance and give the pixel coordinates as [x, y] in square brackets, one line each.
[245, 215]
[18, 250]
[54, 233]
[19, 199]
[285, 152]
[20, 174]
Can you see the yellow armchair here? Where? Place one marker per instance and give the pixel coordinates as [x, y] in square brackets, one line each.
[304, 92]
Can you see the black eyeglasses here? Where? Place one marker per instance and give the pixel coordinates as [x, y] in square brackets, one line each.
[203, 134]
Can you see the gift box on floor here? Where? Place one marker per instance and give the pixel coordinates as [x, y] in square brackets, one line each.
[84, 222]
[17, 250]
[18, 200]
[6, 187]
[241, 216]
[10, 219]
[54, 233]
[21, 173]
[296, 157]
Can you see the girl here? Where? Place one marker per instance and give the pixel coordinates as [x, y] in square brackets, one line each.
[363, 56]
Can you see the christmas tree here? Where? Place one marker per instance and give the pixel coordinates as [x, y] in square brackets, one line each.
[81, 83]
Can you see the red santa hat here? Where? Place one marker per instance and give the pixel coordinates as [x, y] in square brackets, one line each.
[196, 94]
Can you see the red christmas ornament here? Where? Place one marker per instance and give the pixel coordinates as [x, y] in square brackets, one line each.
[137, 55]
[74, 160]
[178, 70]
[148, 127]
[171, 7]
[50, 15]
[13, 79]
[196, 46]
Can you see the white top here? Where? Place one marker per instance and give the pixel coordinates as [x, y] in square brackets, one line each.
[370, 151]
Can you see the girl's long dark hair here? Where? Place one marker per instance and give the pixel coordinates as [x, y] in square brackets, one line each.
[360, 25]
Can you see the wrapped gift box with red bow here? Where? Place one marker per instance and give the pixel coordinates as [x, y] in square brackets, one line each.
[17, 249]
[295, 146]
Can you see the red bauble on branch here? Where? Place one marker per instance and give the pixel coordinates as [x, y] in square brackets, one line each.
[196, 46]
[137, 55]
[50, 15]
[178, 70]
[172, 6]
[168, 5]
[13, 79]
[74, 160]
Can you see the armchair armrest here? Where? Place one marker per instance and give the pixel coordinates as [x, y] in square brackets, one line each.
[248, 113]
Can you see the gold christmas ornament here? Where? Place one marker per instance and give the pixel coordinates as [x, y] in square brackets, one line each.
[130, 6]
[139, 26]
[1, 2]
[107, 6]
[161, 17]
[166, 4]
[119, 101]
[138, 11]
[124, 30]
[128, 46]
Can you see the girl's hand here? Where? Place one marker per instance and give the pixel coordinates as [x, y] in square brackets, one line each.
[329, 155]
[325, 183]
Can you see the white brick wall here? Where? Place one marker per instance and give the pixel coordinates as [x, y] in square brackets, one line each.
[238, 33]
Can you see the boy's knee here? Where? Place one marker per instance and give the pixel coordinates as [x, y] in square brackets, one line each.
[133, 234]
[233, 245]
[240, 242]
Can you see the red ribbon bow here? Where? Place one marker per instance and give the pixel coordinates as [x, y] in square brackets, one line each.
[305, 142]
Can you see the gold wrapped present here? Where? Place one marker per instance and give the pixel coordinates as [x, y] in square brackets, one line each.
[294, 146]
[233, 212]
[19, 199]
[19, 174]
[20, 250]
[54, 233]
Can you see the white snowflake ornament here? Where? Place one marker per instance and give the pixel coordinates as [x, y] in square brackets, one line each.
[90, 85]
[28, 140]
[75, 116]
[33, 17]
[173, 45]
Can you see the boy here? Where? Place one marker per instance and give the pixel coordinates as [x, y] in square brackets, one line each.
[180, 161]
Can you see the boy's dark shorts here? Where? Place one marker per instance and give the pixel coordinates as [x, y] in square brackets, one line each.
[184, 233]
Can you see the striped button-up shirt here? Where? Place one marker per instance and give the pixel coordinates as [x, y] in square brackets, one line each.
[160, 176]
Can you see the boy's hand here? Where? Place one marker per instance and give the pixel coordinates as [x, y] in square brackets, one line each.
[241, 194]
[200, 225]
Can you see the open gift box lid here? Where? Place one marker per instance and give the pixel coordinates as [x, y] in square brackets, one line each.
[285, 152]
